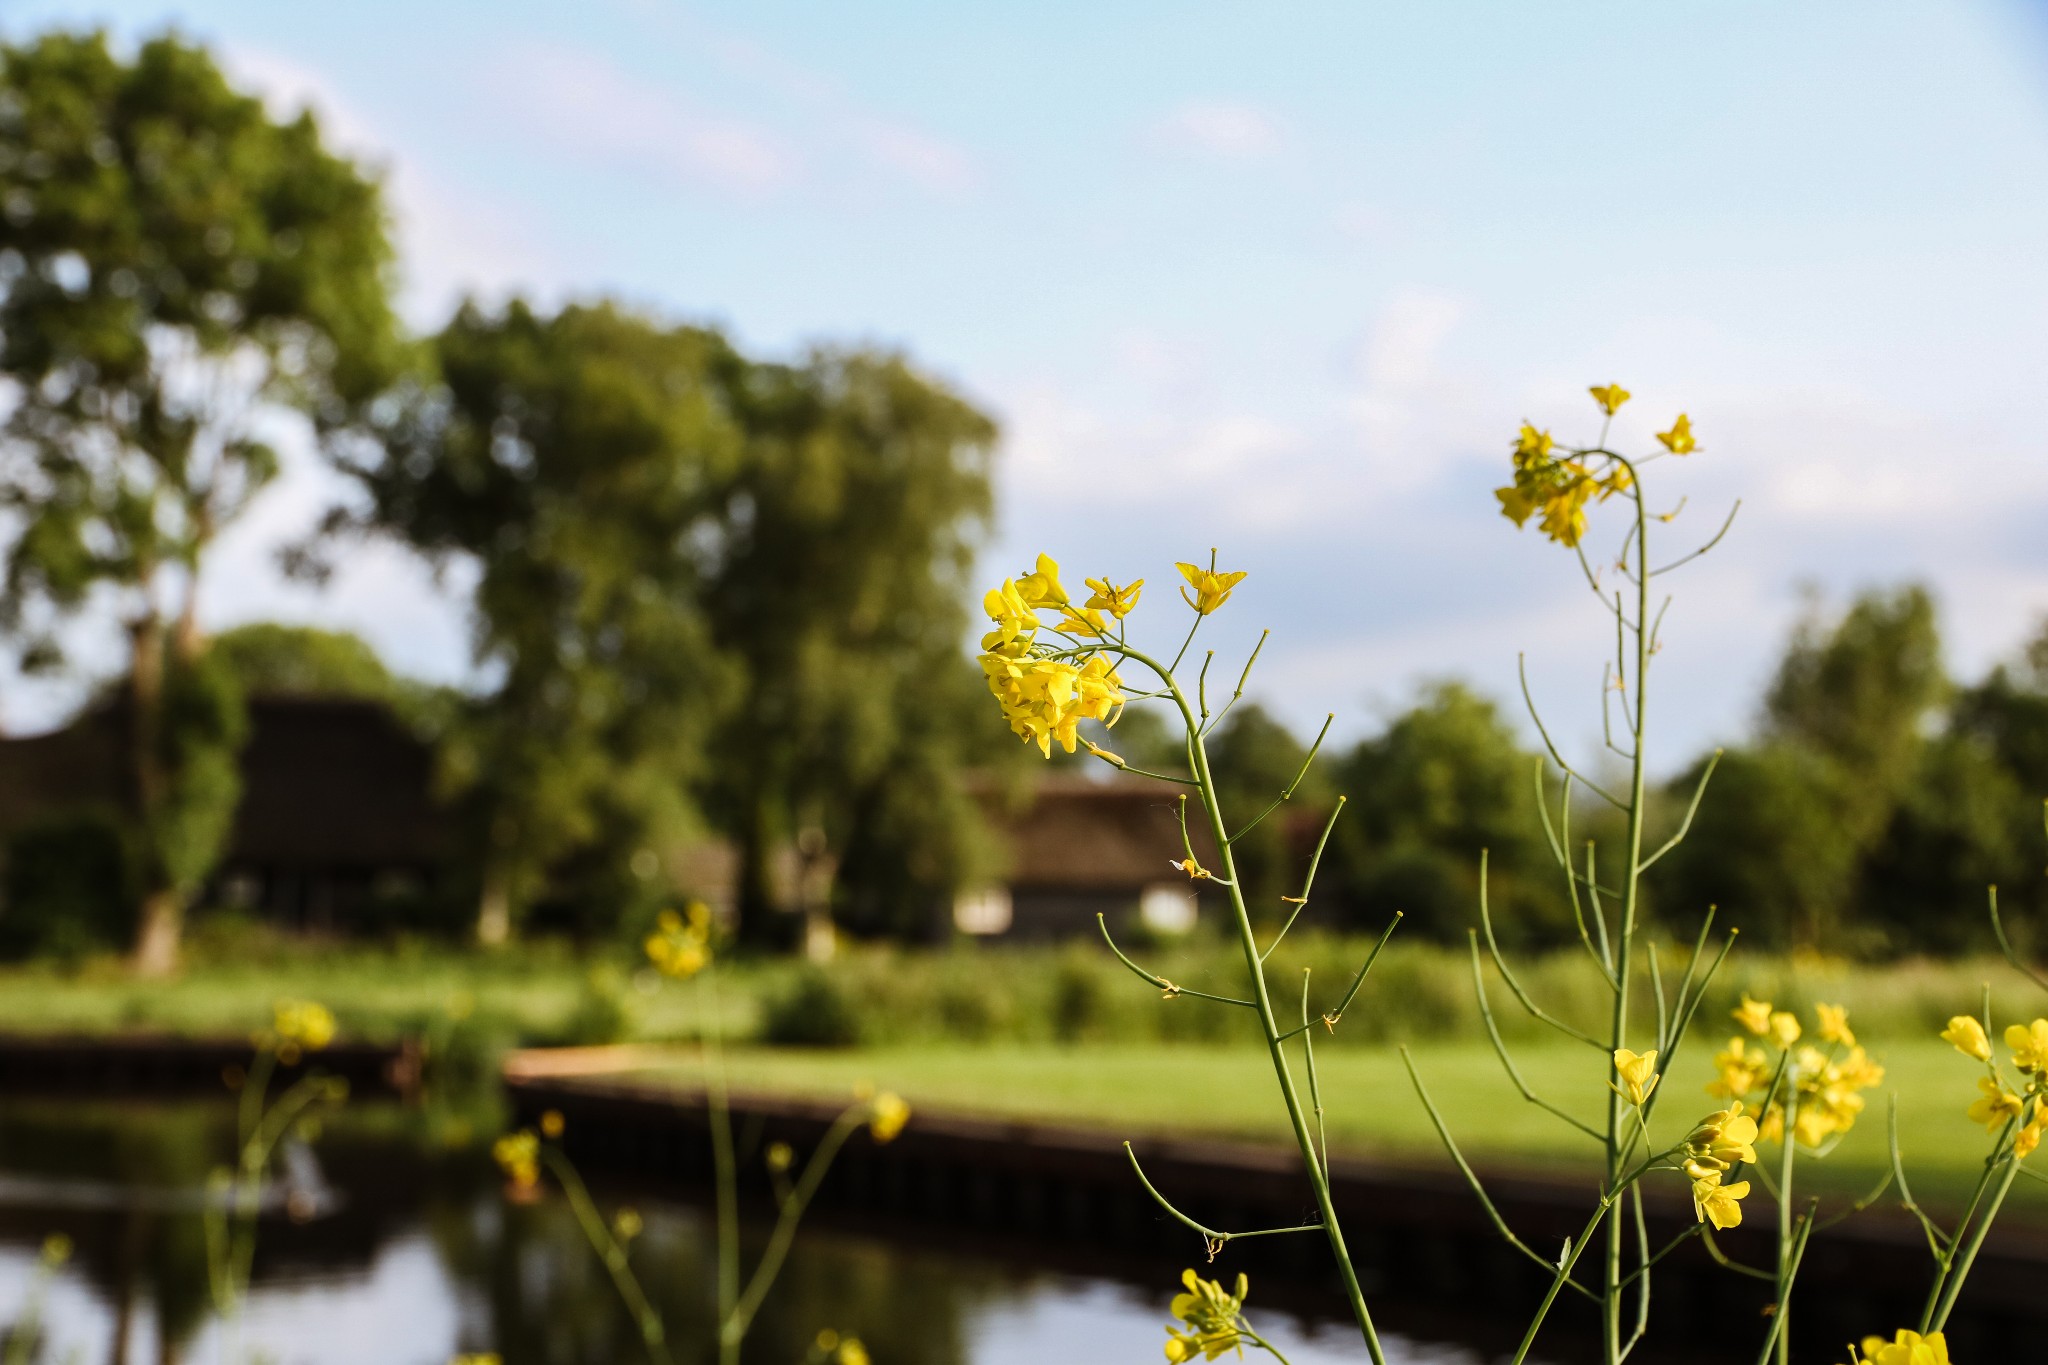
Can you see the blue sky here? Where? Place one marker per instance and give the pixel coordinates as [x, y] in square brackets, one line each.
[1279, 279]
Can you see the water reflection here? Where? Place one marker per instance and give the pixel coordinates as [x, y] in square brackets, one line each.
[411, 1256]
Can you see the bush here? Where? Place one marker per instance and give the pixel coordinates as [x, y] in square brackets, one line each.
[68, 889]
[816, 1011]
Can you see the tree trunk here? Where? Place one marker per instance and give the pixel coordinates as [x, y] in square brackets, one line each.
[161, 911]
[494, 909]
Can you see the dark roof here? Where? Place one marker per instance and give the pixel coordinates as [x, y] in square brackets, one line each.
[325, 783]
[1074, 832]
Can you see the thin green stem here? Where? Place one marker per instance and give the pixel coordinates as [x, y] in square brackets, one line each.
[733, 1330]
[1169, 987]
[1308, 881]
[725, 1170]
[612, 1253]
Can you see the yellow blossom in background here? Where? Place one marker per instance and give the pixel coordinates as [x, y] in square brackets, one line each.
[552, 1124]
[627, 1224]
[1212, 589]
[1740, 1069]
[518, 1156]
[1834, 1024]
[56, 1250]
[1713, 1202]
[1210, 1319]
[2029, 1044]
[1610, 397]
[1967, 1036]
[886, 1116]
[1638, 1072]
[1754, 1015]
[1784, 1028]
[1108, 597]
[1996, 1105]
[850, 1352]
[680, 945]
[302, 1024]
[1679, 440]
[1907, 1348]
[486, 1358]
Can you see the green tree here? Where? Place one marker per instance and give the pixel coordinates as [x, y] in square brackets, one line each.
[1443, 782]
[271, 659]
[176, 268]
[581, 465]
[1254, 757]
[842, 591]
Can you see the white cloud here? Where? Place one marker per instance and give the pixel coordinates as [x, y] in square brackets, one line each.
[586, 102]
[1234, 131]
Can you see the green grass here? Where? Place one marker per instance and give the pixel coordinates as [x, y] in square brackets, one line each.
[1372, 1109]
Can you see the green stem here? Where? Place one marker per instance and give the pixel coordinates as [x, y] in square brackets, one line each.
[1786, 1256]
[613, 1254]
[1970, 1248]
[724, 1171]
[1297, 1116]
[733, 1328]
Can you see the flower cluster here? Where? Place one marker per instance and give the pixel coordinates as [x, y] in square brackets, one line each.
[887, 1114]
[680, 945]
[830, 1348]
[1048, 687]
[1999, 1104]
[1210, 1319]
[1907, 1348]
[1560, 483]
[298, 1026]
[518, 1156]
[1825, 1087]
[1723, 1141]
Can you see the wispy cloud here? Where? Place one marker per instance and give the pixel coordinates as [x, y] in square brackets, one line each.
[1221, 128]
[582, 100]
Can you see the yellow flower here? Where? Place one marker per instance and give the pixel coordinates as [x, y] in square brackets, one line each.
[1679, 440]
[1041, 587]
[1085, 622]
[1907, 1348]
[886, 1116]
[2029, 1044]
[1741, 1069]
[1211, 1318]
[482, 1358]
[303, 1024]
[1638, 1072]
[1722, 1140]
[1997, 1105]
[1784, 1028]
[1196, 872]
[1754, 1015]
[626, 1224]
[1610, 397]
[1967, 1035]
[1532, 444]
[1112, 599]
[1212, 589]
[778, 1157]
[518, 1156]
[680, 945]
[1834, 1024]
[1713, 1202]
[850, 1352]
[2029, 1136]
[551, 1124]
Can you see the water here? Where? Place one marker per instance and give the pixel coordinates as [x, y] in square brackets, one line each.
[400, 1249]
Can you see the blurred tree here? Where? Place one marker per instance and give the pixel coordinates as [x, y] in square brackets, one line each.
[841, 588]
[269, 658]
[580, 465]
[1253, 757]
[1444, 781]
[176, 269]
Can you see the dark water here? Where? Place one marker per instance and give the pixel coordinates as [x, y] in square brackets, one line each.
[403, 1251]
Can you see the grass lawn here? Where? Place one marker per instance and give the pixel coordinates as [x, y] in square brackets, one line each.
[1371, 1106]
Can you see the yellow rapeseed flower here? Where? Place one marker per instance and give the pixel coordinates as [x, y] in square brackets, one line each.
[1041, 587]
[886, 1116]
[1212, 589]
[1210, 1316]
[1610, 397]
[850, 1352]
[1720, 1141]
[680, 945]
[1679, 440]
[1738, 1070]
[2029, 1136]
[627, 1224]
[1995, 1106]
[1713, 1202]
[2029, 1044]
[1967, 1036]
[303, 1024]
[552, 1124]
[1784, 1028]
[1907, 1348]
[1638, 1072]
[518, 1156]
[1112, 599]
[1754, 1015]
[1834, 1024]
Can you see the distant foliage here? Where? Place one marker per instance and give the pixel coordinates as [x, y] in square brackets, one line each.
[68, 889]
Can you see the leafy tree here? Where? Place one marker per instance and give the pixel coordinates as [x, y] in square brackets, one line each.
[842, 592]
[1442, 783]
[175, 269]
[581, 464]
[1254, 756]
[268, 658]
